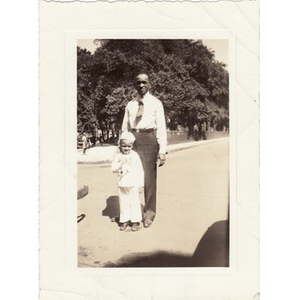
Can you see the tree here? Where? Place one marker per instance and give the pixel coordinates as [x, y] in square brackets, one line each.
[86, 117]
[184, 75]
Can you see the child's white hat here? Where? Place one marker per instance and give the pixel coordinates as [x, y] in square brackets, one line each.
[127, 136]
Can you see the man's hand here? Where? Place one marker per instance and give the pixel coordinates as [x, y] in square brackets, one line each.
[161, 159]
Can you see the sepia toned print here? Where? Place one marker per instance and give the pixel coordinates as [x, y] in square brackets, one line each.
[189, 226]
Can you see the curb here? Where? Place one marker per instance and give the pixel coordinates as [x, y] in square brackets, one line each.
[170, 149]
[180, 147]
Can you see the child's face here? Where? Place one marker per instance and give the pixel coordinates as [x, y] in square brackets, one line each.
[125, 146]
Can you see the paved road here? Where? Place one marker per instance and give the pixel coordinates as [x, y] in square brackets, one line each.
[191, 226]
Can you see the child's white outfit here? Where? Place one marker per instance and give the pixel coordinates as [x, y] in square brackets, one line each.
[130, 178]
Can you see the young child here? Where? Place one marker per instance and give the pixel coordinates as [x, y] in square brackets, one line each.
[130, 171]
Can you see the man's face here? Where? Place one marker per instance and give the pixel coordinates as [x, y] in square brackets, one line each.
[142, 84]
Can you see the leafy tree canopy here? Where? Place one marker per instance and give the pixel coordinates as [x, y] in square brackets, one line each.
[184, 75]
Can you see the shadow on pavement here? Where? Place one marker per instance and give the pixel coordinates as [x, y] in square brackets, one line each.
[212, 251]
[112, 209]
[213, 248]
[151, 260]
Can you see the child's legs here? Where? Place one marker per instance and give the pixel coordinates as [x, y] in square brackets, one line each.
[135, 205]
[124, 201]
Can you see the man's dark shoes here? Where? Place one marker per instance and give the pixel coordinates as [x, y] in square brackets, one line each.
[147, 223]
[123, 226]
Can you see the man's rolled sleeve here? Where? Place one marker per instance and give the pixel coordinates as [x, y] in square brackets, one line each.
[125, 121]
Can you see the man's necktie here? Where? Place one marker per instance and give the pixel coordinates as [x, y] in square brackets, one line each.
[139, 113]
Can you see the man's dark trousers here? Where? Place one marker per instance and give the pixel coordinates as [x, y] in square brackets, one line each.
[147, 147]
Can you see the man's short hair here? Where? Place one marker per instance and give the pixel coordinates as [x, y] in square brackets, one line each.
[140, 72]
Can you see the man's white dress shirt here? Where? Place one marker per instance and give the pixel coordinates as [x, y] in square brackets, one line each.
[153, 118]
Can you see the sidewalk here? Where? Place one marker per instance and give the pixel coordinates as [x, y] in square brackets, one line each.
[104, 154]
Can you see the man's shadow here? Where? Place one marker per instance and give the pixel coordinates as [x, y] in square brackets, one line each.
[213, 248]
[212, 251]
[112, 209]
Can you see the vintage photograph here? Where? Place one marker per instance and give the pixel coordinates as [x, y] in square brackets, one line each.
[149, 147]
[153, 153]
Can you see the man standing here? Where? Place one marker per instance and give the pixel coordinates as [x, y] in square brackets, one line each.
[145, 118]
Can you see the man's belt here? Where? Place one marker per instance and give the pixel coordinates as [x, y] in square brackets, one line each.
[142, 130]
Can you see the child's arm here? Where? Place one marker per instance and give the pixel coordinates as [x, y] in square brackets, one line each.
[116, 164]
